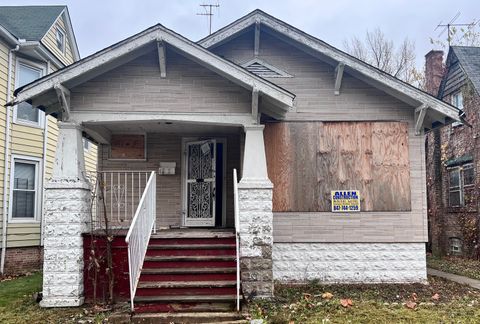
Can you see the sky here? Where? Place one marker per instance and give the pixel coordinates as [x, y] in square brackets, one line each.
[98, 24]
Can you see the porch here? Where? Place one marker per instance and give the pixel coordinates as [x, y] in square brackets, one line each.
[194, 174]
[175, 213]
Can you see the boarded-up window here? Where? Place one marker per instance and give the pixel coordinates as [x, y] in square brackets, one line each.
[306, 160]
[127, 147]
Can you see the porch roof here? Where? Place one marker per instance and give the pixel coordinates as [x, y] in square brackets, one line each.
[44, 93]
[435, 111]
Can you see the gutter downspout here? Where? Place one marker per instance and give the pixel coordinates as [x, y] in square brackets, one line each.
[44, 167]
[6, 160]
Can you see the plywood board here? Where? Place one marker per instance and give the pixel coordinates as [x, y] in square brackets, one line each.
[306, 160]
[127, 147]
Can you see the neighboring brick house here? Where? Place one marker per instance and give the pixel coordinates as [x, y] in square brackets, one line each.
[453, 154]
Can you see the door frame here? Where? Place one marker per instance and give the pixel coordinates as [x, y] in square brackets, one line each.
[185, 140]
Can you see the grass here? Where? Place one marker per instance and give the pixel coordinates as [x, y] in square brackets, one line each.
[371, 304]
[460, 266]
[17, 304]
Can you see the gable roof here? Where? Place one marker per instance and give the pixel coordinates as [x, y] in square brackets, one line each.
[29, 22]
[469, 58]
[322, 50]
[138, 44]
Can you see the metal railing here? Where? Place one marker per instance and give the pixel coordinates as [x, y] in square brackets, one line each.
[139, 233]
[237, 232]
[116, 195]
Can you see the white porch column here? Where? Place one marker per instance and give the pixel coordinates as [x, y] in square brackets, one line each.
[255, 205]
[66, 217]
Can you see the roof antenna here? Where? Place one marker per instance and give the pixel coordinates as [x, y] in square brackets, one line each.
[447, 27]
[208, 12]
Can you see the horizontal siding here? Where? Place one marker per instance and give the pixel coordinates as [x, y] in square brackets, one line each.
[49, 40]
[137, 86]
[168, 147]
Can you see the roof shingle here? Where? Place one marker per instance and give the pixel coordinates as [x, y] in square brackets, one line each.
[29, 22]
[469, 58]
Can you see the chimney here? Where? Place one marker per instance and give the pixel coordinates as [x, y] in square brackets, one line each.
[434, 71]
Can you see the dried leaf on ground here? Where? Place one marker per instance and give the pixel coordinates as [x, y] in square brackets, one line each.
[414, 297]
[410, 304]
[327, 295]
[436, 297]
[346, 302]
[307, 296]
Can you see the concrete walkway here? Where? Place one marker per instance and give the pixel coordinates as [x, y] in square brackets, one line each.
[453, 277]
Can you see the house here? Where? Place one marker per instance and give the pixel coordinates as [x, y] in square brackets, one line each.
[329, 152]
[452, 154]
[34, 41]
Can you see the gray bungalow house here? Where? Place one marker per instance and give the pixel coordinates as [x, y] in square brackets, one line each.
[328, 151]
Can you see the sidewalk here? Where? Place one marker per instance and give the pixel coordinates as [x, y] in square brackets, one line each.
[453, 277]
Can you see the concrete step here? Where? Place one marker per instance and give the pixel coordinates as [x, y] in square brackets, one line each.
[176, 307]
[185, 284]
[207, 317]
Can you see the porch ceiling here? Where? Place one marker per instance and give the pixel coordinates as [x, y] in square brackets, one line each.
[101, 132]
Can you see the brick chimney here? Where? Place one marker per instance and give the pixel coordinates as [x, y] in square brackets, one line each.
[434, 71]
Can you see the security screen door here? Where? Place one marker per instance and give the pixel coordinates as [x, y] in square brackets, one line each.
[200, 183]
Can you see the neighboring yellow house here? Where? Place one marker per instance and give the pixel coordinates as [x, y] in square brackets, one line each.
[34, 41]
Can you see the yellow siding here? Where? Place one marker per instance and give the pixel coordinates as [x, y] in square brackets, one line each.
[29, 141]
[49, 41]
[91, 158]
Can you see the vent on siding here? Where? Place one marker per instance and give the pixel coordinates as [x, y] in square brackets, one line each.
[264, 70]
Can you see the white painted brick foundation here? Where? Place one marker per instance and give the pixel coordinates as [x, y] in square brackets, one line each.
[63, 244]
[350, 262]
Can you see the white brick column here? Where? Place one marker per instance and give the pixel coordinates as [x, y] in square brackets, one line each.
[66, 217]
[255, 205]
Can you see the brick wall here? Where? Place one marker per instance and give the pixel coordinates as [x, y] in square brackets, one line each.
[443, 144]
[24, 259]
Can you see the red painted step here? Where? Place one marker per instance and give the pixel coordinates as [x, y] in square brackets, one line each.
[192, 272]
[187, 252]
[188, 277]
[191, 241]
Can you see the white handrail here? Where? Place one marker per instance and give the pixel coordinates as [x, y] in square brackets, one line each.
[139, 233]
[237, 232]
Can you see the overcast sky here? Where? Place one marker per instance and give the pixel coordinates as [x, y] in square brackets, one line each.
[100, 23]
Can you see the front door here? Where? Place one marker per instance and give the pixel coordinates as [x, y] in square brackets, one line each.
[200, 183]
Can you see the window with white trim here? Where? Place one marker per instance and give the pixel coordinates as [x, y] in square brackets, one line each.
[457, 101]
[25, 189]
[86, 144]
[461, 185]
[24, 112]
[60, 39]
[455, 246]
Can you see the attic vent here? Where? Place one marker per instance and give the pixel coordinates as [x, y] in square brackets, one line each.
[264, 70]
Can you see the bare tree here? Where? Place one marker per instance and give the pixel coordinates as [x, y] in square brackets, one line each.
[381, 52]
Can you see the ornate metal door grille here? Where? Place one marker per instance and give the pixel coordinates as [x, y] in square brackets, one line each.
[201, 174]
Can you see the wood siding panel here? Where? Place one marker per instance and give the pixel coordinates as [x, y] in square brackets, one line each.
[306, 160]
[137, 86]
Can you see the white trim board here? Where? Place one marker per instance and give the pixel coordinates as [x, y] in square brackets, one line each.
[38, 162]
[93, 63]
[318, 48]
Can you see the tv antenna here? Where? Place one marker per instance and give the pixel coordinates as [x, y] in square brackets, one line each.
[208, 12]
[448, 27]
